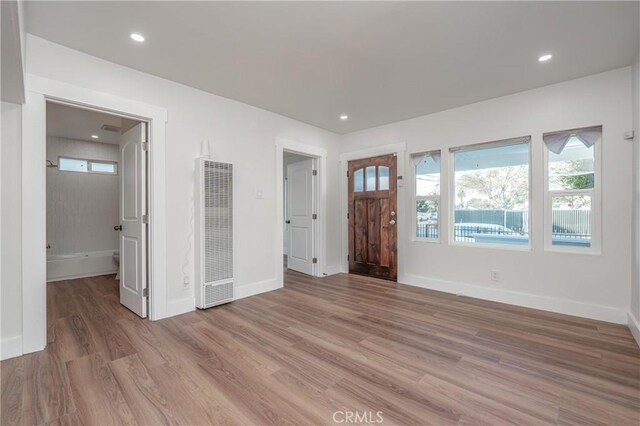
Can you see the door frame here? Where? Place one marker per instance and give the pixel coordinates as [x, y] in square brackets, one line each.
[319, 155]
[402, 212]
[39, 91]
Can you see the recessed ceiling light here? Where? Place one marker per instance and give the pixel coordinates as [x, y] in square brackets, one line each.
[94, 136]
[137, 37]
[344, 117]
[545, 58]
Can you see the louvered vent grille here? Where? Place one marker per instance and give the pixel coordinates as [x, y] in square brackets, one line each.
[218, 222]
[216, 294]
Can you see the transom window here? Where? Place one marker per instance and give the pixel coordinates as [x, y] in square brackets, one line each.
[371, 178]
[491, 193]
[427, 194]
[78, 165]
[571, 185]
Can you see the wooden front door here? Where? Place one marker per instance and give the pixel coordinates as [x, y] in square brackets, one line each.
[372, 217]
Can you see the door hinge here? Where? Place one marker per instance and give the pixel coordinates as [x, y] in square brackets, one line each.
[145, 146]
[145, 292]
[315, 173]
[145, 219]
[347, 257]
[315, 260]
[347, 173]
[314, 216]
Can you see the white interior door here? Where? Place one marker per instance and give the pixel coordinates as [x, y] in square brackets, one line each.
[300, 216]
[133, 230]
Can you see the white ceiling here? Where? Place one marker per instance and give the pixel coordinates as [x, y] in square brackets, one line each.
[76, 123]
[378, 62]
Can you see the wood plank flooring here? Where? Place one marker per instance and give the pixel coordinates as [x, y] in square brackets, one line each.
[320, 346]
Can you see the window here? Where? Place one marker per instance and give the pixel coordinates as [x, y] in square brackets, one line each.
[427, 195]
[78, 165]
[366, 180]
[571, 183]
[491, 193]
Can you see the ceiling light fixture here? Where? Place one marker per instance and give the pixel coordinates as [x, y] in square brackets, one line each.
[137, 37]
[94, 136]
[344, 117]
[545, 58]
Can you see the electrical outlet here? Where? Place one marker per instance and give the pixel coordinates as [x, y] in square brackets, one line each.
[495, 275]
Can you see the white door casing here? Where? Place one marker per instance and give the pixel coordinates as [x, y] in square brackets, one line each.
[133, 232]
[300, 198]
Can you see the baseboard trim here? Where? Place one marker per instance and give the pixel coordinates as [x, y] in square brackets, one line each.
[256, 288]
[332, 270]
[75, 277]
[10, 347]
[634, 326]
[544, 303]
[180, 306]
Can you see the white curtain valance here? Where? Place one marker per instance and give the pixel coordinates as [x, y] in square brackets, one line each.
[419, 158]
[557, 141]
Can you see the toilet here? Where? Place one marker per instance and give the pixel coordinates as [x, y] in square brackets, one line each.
[116, 260]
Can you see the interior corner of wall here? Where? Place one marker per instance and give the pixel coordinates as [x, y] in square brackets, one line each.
[634, 327]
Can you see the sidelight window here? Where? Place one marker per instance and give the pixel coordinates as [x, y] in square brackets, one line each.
[571, 193]
[427, 195]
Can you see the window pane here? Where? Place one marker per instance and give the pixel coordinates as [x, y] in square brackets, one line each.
[573, 167]
[371, 178]
[103, 167]
[428, 177]
[357, 181]
[571, 221]
[492, 195]
[72, 165]
[427, 223]
[383, 178]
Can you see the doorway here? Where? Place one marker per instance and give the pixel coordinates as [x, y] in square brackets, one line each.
[372, 217]
[97, 200]
[300, 188]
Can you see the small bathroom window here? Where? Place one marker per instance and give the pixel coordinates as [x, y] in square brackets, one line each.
[66, 164]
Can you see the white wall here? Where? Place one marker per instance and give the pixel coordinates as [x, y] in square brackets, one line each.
[11, 231]
[595, 286]
[82, 208]
[634, 318]
[239, 134]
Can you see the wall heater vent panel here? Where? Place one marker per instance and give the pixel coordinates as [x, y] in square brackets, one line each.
[214, 233]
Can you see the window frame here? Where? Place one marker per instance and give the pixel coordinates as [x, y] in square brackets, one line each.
[596, 203]
[452, 193]
[89, 166]
[416, 198]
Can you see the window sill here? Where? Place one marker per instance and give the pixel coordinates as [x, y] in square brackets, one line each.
[425, 240]
[509, 247]
[584, 252]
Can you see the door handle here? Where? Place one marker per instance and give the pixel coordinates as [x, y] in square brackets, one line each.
[392, 222]
[287, 222]
[117, 228]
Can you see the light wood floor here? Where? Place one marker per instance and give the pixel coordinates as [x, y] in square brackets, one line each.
[297, 355]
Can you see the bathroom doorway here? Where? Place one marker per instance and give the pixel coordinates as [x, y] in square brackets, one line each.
[97, 202]
[300, 189]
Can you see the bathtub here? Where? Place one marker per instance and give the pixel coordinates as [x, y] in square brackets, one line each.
[80, 265]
